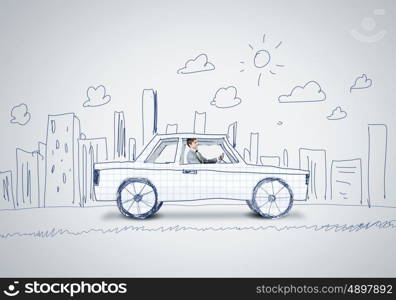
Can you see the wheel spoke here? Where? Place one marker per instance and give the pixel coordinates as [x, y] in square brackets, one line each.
[130, 192]
[269, 209]
[148, 204]
[134, 188]
[263, 204]
[131, 205]
[277, 207]
[280, 190]
[147, 193]
[272, 184]
[144, 185]
[265, 190]
[138, 208]
[126, 201]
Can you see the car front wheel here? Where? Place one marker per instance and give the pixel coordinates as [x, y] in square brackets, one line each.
[272, 198]
[137, 198]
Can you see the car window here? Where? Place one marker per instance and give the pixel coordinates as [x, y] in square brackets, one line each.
[164, 152]
[209, 148]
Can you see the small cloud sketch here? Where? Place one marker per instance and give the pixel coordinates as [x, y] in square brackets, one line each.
[362, 82]
[337, 114]
[96, 96]
[310, 92]
[20, 114]
[198, 64]
[226, 98]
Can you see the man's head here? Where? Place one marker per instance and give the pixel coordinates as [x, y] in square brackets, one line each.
[192, 143]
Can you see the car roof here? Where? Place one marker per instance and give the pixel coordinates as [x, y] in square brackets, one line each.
[190, 135]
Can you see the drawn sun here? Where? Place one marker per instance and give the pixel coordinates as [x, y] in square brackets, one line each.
[262, 60]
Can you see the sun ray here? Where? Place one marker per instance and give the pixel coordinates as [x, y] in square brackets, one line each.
[242, 70]
[251, 47]
[273, 73]
[280, 66]
[280, 43]
[242, 62]
[258, 80]
[263, 38]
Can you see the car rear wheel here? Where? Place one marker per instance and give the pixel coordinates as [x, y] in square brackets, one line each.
[137, 198]
[272, 198]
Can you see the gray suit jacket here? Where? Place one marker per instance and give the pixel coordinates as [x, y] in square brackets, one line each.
[195, 157]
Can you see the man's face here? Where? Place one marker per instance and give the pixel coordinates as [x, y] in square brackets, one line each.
[194, 145]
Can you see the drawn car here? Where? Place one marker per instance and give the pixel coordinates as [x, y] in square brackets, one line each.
[161, 174]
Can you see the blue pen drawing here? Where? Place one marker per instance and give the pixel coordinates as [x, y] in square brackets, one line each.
[119, 136]
[285, 158]
[377, 162]
[96, 96]
[199, 122]
[7, 191]
[346, 183]
[20, 114]
[251, 155]
[267, 160]
[315, 161]
[337, 114]
[132, 149]
[262, 59]
[171, 128]
[310, 92]
[232, 134]
[149, 114]
[226, 98]
[279, 123]
[198, 64]
[155, 177]
[362, 82]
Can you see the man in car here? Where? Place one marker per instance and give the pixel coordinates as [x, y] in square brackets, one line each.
[195, 157]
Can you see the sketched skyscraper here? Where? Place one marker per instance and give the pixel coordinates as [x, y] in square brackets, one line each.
[149, 114]
[7, 192]
[90, 151]
[27, 186]
[377, 157]
[63, 132]
[200, 122]
[119, 136]
[314, 160]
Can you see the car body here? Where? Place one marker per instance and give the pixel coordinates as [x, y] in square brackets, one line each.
[162, 164]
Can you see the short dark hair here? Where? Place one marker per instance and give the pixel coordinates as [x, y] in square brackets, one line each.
[190, 140]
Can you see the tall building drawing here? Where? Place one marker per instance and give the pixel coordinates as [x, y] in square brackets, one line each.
[27, 185]
[132, 149]
[254, 148]
[314, 160]
[149, 114]
[91, 151]
[119, 136]
[346, 181]
[7, 191]
[62, 186]
[377, 159]
[41, 172]
[232, 133]
[270, 161]
[200, 122]
[171, 128]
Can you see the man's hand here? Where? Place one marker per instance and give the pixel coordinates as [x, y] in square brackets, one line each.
[221, 157]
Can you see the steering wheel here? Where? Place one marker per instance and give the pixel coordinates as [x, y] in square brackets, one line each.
[221, 161]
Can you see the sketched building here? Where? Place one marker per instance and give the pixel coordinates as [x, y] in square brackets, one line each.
[90, 151]
[7, 191]
[232, 133]
[62, 188]
[200, 122]
[119, 136]
[149, 114]
[346, 181]
[251, 155]
[132, 149]
[27, 184]
[314, 160]
[377, 156]
[270, 161]
[41, 172]
[171, 128]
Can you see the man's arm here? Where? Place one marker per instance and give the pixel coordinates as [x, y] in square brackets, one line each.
[204, 160]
